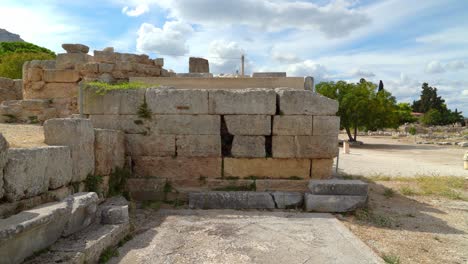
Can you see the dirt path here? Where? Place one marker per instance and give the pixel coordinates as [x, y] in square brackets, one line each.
[394, 157]
[22, 135]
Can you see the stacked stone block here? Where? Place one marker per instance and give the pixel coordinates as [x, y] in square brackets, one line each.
[196, 139]
[10, 89]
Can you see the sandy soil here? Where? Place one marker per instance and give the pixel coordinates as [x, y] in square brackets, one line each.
[398, 157]
[22, 135]
[417, 229]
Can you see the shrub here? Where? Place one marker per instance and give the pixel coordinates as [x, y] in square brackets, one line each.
[11, 64]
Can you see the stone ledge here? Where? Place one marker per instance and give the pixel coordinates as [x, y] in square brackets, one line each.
[338, 187]
[333, 203]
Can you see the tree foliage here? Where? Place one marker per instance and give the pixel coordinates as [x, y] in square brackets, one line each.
[404, 114]
[361, 106]
[14, 54]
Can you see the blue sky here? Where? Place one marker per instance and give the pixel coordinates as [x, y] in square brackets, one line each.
[403, 43]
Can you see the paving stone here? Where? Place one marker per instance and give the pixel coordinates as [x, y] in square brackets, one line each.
[198, 145]
[266, 168]
[338, 187]
[304, 102]
[231, 200]
[326, 126]
[186, 124]
[288, 200]
[177, 101]
[248, 146]
[242, 101]
[248, 125]
[333, 203]
[150, 145]
[300, 125]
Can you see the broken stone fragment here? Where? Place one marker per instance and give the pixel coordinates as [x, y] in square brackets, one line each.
[75, 48]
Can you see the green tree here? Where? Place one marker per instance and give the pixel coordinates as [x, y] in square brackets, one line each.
[404, 114]
[432, 117]
[14, 54]
[428, 100]
[361, 106]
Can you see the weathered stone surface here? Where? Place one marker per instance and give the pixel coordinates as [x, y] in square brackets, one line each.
[333, 203]
[248, 125]
[109, 150]
[198, 146]
[114, 214]
[78, 134]
[177, 167]
[51, 90]
[130, 124]
[159, 62]
[293, 185]
[268, 74]
[106, 67]
[194, 75]
[266, 167]
[25, 173]
[64, 76]
[300, 125]
[326, 126]
[83, 213]
[75, 48]
[123, 102]
[198, 65]
[248, 146]
[59, 168]
[60, 193]
[242, 101]
[304, 146]
[150, 145]
[288, 200]
[3, 160]
[66, 61]
[143, 189]
[321, 168]
[31, 231]
[186, 124]
[177, 101]
[231, 200]
[338, 187]
[304, 102]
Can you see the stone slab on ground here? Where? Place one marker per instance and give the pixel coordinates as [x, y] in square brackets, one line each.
[338, 187]
[228, 236]
[231, 200]
[83, 213]
[333, 203]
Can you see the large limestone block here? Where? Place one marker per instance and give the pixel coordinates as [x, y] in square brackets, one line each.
[304, 146]
[304, 102]
[78, 134]
[177, 101]
[198, 65]
[198, 145]
[53, 90]
[123, 102]
[326, 126]
[231, 200]
[288, 200]
[59, 166]
[338, 187]
[177, 167]
[266, 168]
[186, 124]
[248, 147]
[6, 82]
[130, 124]
[248, 125]
[242, 101]
[333, 203]
[61, 76]
[83, 213]
[25, 173]
[109, 150]
[299, 125]
[143, 189]
[31, 231]
[321, 168]
[67, 61]
[75, 48]
[294, 185]
[150, 145]
[3, 160]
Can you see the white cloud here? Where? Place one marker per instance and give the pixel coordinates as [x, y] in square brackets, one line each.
[168, 40]
[435, 67]
[335, 20]
[308, 68]
[455, 65]
[449, 36]
[360, 73]
[285, 57]
[137, 11]
[464, 92]
[225, 57]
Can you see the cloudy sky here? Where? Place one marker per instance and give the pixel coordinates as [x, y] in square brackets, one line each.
[401, 42]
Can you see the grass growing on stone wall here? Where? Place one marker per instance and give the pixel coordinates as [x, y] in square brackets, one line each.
[93, 183]
[107, 254]
[117, 182]
[102, 88]
[144, 111]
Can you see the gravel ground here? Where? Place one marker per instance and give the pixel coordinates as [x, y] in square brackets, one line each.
[398, 157]
[22, 135]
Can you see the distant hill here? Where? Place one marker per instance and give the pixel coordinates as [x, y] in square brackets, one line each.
[6, 36]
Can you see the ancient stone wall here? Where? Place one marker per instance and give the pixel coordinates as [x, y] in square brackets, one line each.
[194, 139]
[10, 89]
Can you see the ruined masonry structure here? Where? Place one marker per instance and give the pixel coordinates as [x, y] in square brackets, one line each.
[196, 139]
